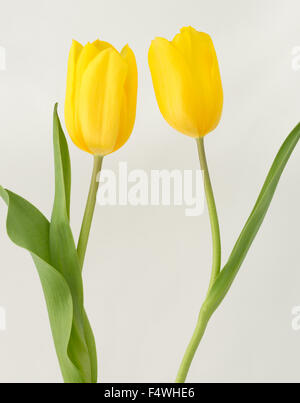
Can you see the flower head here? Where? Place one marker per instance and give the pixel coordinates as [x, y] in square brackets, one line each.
[101, 96]
[187, 82]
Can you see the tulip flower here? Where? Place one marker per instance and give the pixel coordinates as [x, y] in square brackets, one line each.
[188, 89]
[187, 82]
[100, 109]
[101, 96]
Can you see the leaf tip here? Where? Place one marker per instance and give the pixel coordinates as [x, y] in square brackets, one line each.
[55, 109]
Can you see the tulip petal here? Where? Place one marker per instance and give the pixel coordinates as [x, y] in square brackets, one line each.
[172, 81]
[102, 45]
[128, 111]
[75, 51]
[198, 50]
[88, 53]
[100, 103]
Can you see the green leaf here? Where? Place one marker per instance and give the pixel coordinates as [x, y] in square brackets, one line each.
[91, 344]
[54, 253]
[64, 258]
[62, 166]
[239, 252]
[29, 229]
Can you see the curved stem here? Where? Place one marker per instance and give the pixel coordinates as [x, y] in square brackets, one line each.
[204, 315]
[213, 216]
[192, 347]
[89, 210]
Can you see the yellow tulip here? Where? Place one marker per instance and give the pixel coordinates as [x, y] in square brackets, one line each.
[187, 82]
[101, 96]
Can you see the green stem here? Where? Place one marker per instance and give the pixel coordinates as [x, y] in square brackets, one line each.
[213, 216]
[192, 347]
[204, 315]
[89, 210]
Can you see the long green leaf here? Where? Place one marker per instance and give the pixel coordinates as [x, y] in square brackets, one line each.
[225, 278]
[64, 257]
[29, 229]
[239, 252]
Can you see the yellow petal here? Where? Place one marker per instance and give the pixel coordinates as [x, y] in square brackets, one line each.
[199, 53]
[100, 101]
[128, 111]
[75, 51]
[173, 85]
[102, 45]
[88, 53]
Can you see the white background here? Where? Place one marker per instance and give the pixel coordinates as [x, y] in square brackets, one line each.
[147, 268]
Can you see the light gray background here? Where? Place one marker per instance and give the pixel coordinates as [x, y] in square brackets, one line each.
[147, 268]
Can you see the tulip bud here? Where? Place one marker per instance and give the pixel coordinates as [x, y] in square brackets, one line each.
[101, 96]
[187, 82]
